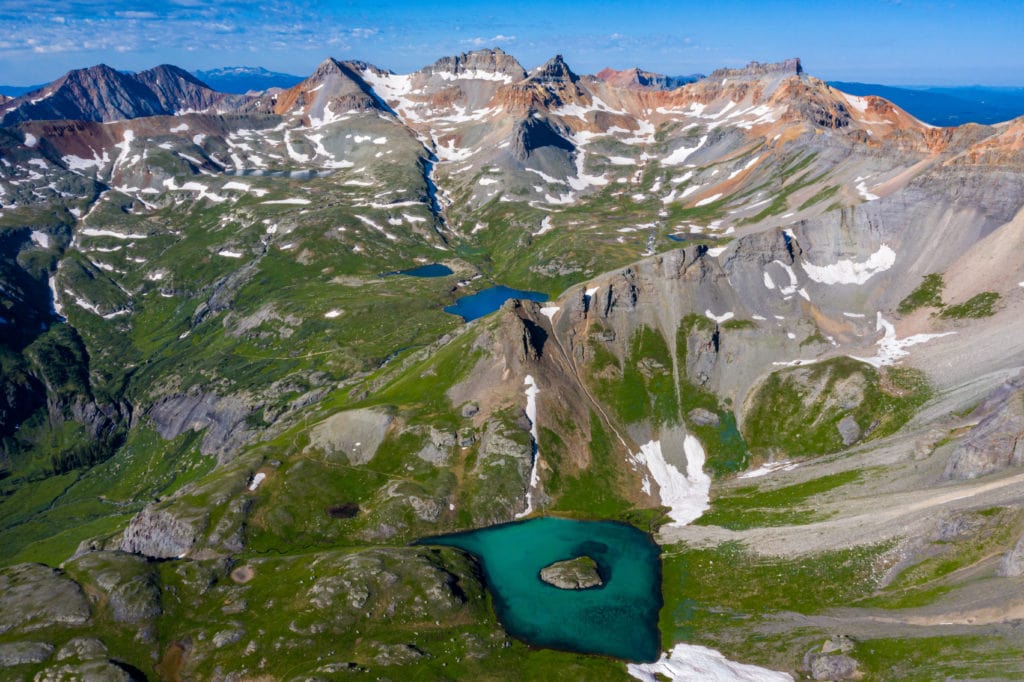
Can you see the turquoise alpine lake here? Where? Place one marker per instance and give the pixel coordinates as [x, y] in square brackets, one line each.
[487, 301]
[618, 618]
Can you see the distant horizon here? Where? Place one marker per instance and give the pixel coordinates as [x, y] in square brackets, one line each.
[568, 60]
[887, 42]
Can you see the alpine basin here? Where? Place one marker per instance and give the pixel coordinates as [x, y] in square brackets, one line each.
[619, 618]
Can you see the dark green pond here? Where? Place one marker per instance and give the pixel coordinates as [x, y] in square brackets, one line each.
[619, 618]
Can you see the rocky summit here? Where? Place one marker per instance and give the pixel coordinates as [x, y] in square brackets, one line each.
[782, 331]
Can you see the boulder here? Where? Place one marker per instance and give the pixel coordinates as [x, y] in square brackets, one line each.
[831, 662]
[89, 671]
[129, 584]
[159, 534]
[849, 430]
[833, 667]
[573, 574]
[33, 596]
[22, 653]
[83, 648]
[702, 417]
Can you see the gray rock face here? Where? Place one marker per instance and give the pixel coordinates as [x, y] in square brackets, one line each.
[20, 653]
[90, 671]
[490, 61]
[1012, 564]
[355, 433]
[84, 648]
[496, 444]
[573, 574]
[222, 418]
[702, 417]
[225, 637]
[33, 596]
[438, 451]
[159, 534]
[848, 429]
[129, 584]
[832, 667]
[997, 442]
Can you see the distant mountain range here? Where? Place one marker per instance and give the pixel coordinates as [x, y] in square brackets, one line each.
[242, 79]
[947, 106]
[940, 106]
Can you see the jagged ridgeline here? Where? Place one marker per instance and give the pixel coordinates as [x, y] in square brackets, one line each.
[780, 330]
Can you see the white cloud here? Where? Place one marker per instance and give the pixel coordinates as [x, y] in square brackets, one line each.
[480, 42]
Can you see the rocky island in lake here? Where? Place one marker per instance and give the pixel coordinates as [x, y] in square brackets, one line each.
[572, 574]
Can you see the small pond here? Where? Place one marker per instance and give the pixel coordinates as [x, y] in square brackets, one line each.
[487, 301]
[619, 618]
[432, 270]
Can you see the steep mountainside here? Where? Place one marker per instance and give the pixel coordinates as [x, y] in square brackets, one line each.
[638, 79]
[784, 335]
[101, 93]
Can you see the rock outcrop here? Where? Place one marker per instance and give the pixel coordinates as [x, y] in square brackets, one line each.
[572, 574]
[356, 434]
[159, 534]
[33, 597]
[21, 653]
[997, 441]
[1012, 563]
[223, 419]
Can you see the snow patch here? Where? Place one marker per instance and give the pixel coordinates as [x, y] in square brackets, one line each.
[685, 495]
[41, 239]
[256, 480]
[331, 314]
[719, 319]
[862, 188]
[229, 254]
[545, 226]
[691, 662]
[294, 201]
[550, 311]
[769, 467]
[891, 349]
[680, 155]
[93, 232]
[850, 272]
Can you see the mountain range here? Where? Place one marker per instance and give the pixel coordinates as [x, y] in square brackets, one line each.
[948, 106]
[780, 330]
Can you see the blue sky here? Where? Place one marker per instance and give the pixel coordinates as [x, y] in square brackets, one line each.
[884, 41]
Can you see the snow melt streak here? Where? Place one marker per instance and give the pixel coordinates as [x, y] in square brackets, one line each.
[531, 414]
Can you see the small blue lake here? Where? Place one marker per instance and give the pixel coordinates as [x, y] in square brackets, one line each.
[432, 270]
[619, 618]
[487, 301]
